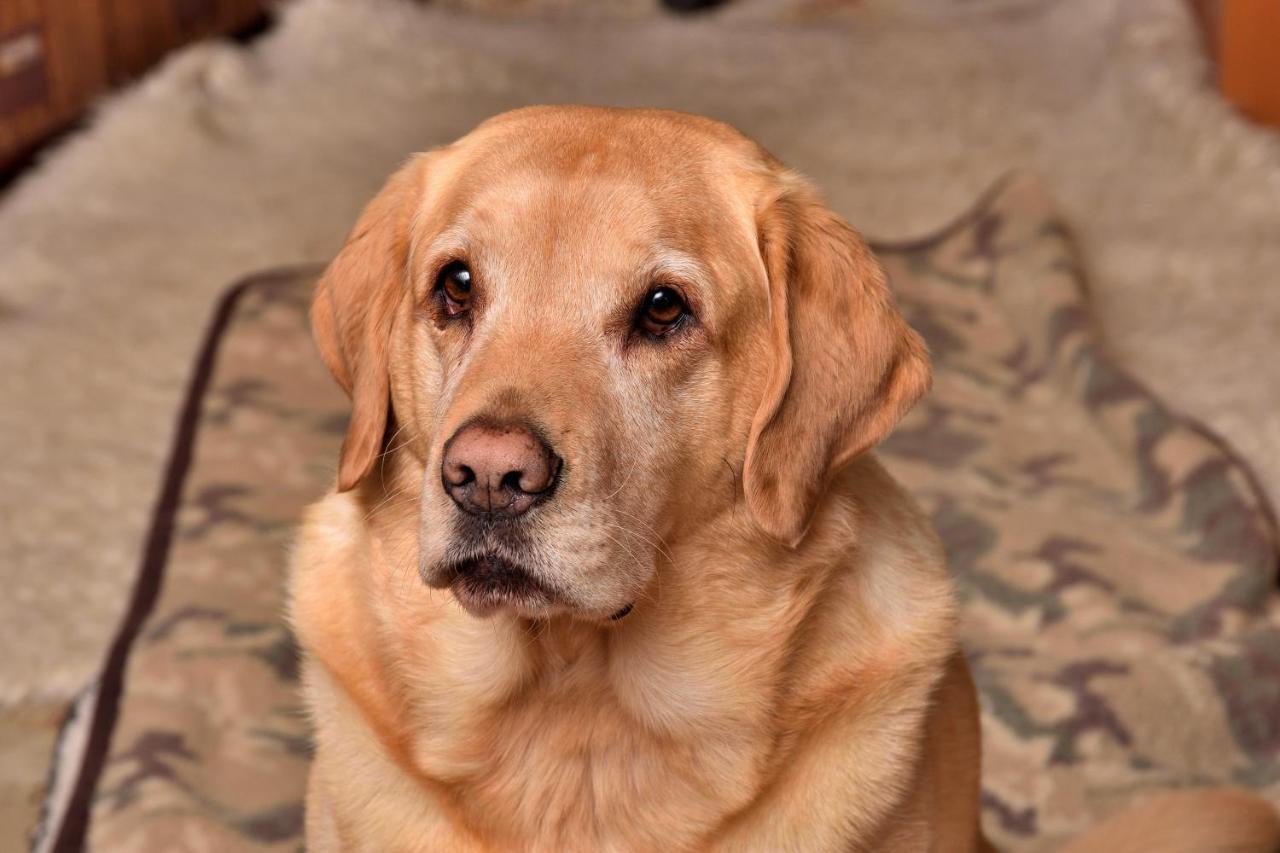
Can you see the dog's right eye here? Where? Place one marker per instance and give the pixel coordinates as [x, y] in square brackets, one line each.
[662, 311]
[454, 287]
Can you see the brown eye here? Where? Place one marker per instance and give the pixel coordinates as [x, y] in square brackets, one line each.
[662, 310]
[454, 285]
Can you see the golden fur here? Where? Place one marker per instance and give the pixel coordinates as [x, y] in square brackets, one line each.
[788, 678]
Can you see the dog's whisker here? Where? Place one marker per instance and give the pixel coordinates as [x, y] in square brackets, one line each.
[735, 487]
[640, 521]
[640, 566]
[397, 497]
[386, 500]
[660, 546]
[391, 441]
[623, 484]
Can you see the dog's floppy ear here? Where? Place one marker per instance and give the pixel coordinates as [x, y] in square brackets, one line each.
[353, 311]
[845, 365]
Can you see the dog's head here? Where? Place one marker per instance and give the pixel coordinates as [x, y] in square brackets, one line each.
[589, 331]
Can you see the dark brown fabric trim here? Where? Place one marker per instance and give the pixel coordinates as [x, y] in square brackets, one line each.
[73, 828]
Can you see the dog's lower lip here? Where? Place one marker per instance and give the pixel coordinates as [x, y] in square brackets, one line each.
[483, 585]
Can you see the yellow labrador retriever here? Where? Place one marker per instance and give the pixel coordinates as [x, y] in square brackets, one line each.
[608, 565]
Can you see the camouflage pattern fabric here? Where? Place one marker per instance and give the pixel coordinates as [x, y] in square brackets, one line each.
[210, 747]
[1117, 566]
[1118, 569]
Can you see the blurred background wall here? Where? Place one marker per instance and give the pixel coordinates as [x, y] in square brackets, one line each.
[56, 56]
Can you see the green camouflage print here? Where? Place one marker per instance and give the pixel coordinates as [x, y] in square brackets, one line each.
[1117, 568]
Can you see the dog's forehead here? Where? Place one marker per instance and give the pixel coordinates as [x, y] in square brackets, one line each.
[648, 140]
[626, 183]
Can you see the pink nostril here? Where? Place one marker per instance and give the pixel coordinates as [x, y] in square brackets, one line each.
[499, 469]
[459, 475]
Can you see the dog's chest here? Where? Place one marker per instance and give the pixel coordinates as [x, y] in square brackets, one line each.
[572, 763]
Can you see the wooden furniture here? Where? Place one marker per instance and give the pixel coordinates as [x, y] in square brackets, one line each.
[52, 61]
[142, 31]
[57, 55]
[1248, 46]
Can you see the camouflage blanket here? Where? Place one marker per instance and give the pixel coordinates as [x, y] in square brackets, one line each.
[1117, 566]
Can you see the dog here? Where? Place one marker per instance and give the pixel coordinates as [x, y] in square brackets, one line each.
[609, 564]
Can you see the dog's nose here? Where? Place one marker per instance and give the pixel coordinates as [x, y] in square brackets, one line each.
[498, 470]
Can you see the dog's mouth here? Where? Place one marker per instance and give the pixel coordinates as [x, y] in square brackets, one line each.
[487, 583]
[484, 585]
[490, 568]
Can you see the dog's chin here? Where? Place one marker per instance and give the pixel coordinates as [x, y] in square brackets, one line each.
[488, 584]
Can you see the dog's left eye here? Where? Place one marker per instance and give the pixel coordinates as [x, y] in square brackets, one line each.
[454, 286]
[662, 310]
